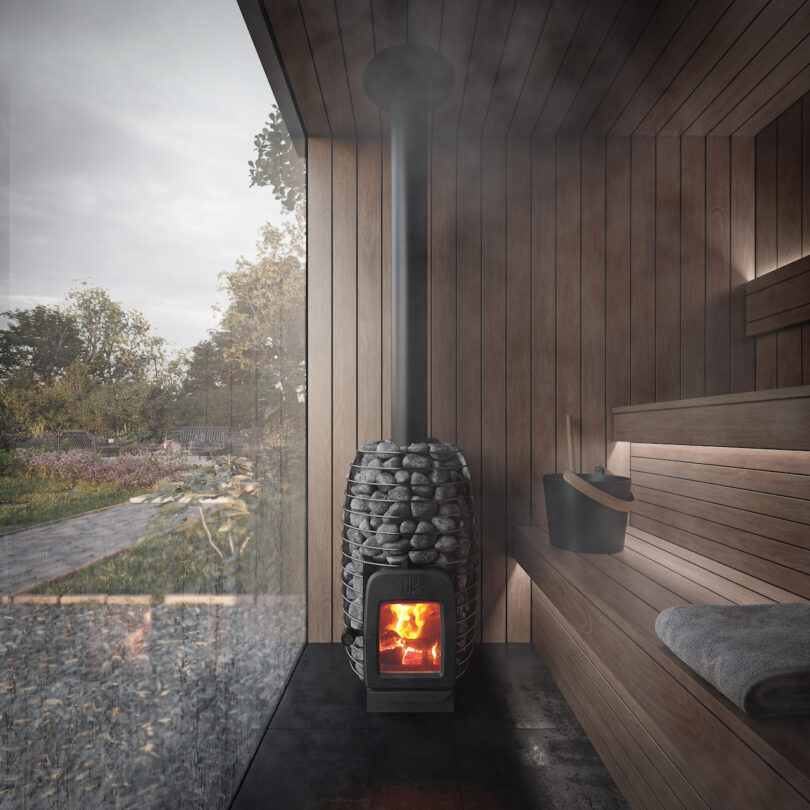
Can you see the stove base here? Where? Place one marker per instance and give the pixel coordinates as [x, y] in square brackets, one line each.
[412, 701]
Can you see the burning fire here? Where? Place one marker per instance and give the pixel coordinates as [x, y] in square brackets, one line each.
[410, 637]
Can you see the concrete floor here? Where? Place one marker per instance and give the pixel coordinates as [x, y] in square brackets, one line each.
[512, 743]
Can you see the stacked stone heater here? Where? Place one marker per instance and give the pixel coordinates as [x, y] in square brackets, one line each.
[409, 553]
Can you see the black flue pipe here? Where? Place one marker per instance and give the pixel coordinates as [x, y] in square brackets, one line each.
[409, 81]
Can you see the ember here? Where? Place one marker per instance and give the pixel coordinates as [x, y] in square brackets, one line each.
[410, 637]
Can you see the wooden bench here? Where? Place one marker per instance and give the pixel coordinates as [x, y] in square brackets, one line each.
[711, 526]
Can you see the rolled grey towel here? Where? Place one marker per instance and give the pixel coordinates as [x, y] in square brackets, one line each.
[758, 656]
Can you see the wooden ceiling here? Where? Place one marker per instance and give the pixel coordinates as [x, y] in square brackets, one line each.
[544, 67]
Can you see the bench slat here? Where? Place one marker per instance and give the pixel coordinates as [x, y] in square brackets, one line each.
[784, 461]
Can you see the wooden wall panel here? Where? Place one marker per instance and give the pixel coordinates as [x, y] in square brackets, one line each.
[320, 540]
[567, 276]
[493, 385]
[518, 375]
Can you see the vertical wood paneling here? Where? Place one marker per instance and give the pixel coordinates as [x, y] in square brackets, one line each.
[718, 266]
[789, 232]
[593, 303]
[766, 244]
[617, 280]
[369, 292]
[743, 193]
[806, 224]
[693, 267]
[493, 383]
[667, 269]
[544, 325]
[443, 291]
[386, 291]
[320, 540]
[518, 375]
[642, 271]
[344, 340]
[470, 302]
[568, 298]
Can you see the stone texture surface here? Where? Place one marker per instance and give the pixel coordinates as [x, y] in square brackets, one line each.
[512, 743]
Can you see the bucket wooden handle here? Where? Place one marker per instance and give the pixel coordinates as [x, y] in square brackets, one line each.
[596, 494]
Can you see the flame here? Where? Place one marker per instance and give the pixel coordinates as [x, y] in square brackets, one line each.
[410, 637]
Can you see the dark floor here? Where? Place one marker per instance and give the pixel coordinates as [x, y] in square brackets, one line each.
[511, 743]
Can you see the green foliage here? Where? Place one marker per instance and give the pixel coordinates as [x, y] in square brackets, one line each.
[277, 165]
[26, 501]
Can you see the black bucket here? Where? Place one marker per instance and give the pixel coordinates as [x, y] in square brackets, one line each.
[578, 523]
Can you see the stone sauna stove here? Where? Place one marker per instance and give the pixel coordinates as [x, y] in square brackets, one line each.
[410, 579]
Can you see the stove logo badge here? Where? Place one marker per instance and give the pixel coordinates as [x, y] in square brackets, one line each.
[410, 586]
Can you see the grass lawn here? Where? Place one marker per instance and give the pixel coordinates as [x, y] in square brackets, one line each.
[26, 501]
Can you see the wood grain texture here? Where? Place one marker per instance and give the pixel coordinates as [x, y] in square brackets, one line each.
[693, 267]
[369, 291]
[778, 419]
[493, 384]
[743, 249]
[568, 286]
[544, 324]
[344, 343]
[321, 538]
[518, 374]
[593, 303]
[642, 271]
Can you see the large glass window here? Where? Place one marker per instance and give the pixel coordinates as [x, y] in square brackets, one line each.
[152, 406]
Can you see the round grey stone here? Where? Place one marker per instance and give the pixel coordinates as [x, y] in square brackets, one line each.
[358, 505]
[362, 489]
[439, 476]
[445, 492]
[420, 484]
[443, 559]
[424, 527]
[387, 449]
[418, 447]
[374, 463]
[444, 523]
[450, 508]
[396, 559]
[423, 540]
[422, 507]
[355, 520]
[399, 493]
[385, 480]
[388, 528]
[416, 462]
[407, 527]
[399, 509]
[379, 503]
[423, 556]
[392, 463]
[396, 546]
[402, 476]
[369, 447]
[370, 547]
[375, 522]
[354, 535]
[446, 541]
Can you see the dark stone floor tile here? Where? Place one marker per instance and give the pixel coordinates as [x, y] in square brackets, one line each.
[325, 693]
[512, 769]
[507, 686]
[368, 769]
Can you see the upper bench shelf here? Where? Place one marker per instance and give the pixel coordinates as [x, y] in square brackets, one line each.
[778, 299]
[778, 419]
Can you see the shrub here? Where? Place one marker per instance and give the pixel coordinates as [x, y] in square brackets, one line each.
[131, 470]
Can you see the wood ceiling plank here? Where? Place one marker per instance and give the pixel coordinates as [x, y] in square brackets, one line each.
[527, 24]
[324, 37]
[754, 97]
[775, 16]
[458, 26]
[492, 26]
[767, 58]
[424, 22]
[630, 23]
[290, 36]
[741, 17]
[668, 63]
[788, 95]
[356, 30]
[585, 45]
[560, 26]
[667, 18]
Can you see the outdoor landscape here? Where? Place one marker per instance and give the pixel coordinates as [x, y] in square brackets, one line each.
[152, 529]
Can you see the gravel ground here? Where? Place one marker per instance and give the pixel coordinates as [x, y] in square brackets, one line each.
[123, 707]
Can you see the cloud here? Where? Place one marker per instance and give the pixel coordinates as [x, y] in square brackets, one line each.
[131, 125]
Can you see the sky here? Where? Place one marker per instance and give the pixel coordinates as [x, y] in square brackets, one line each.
[130, 125]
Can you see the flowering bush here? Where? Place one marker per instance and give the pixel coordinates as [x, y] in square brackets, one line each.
[131, 470]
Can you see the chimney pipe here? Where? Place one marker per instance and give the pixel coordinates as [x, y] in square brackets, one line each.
[409, 81]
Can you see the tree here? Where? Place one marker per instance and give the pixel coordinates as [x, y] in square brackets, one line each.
[277, 165]
[43, 341]
[117, 344]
